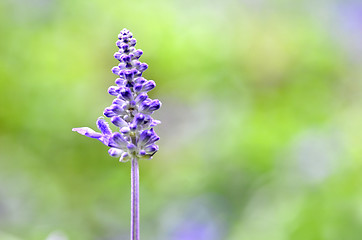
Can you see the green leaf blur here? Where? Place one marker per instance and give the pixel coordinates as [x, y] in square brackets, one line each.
[261, 120]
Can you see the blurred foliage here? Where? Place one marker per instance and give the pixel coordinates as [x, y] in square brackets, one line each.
[261, 120]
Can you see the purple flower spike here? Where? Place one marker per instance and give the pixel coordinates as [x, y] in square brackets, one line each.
[130, 112]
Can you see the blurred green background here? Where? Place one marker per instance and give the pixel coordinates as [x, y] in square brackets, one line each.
[261, 135]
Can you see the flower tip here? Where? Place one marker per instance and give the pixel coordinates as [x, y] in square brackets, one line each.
[88, 132]
[82, 130]
[115, 152]
[103, 126]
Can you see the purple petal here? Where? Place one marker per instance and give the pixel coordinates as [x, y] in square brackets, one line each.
[122, 65]
[148, 86]
[118, 101]
[144, 106]
[131, 147]
[151, 149]
[155, 122]
[129, 75]
[132, 103]
[109, 113]
[118, 109]
[144, 136]
[124, 46]
[116, 70]
[132, 41]
[155, 105]
[137, 87]
[113, 90]
[126, 93]
[133, 127]
[118, 141]
[105, 139]
[103, 126]
[140, 80]
[147, 119]
[153, 138]
[136, 63]
[141, 97]
[138, 119]
[125, 130]
[118, 43]
[120, 81]
[143, 67]
[138, 53]
[115, 152]
[86, 131]
[125, 58]
[119, 122]
[117, 55]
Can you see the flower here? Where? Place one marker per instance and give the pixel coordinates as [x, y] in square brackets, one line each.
[131, 110]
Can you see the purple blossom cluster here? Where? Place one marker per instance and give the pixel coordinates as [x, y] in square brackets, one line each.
[131, 109]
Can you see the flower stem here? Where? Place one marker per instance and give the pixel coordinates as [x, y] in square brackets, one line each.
[135, 225]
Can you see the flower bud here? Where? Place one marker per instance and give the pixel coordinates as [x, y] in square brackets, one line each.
[143, 67]
[115, 152]
[113, 90]
[141, 97]
[148, 86]
[116, 70]
[155, 105]
[126, 94]
[119, 122]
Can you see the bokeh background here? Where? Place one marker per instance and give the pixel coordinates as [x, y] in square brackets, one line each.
[262, 120]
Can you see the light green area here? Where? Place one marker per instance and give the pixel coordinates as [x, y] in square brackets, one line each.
[261, 135]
